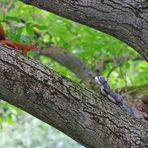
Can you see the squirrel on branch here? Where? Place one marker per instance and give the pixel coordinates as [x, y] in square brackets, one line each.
[23, 47]
[112, 95]
[140, 111]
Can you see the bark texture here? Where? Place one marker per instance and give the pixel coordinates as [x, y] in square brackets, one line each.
[87, 117]
[126, 20]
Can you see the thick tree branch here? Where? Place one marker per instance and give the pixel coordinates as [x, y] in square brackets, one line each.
[73, 63]
[87, 117]
[126, 20]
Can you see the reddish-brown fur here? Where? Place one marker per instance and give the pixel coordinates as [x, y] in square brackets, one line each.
[24, 47]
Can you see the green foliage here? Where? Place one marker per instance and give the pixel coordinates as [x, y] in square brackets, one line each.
[29, 24]
[86, 43]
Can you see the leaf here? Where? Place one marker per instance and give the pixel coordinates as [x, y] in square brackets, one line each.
[12, 18]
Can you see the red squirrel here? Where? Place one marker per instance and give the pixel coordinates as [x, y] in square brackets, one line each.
[23, 47]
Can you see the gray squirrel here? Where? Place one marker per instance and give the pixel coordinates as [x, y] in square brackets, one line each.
[109, 93]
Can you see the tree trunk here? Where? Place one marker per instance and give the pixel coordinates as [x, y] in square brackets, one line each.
[87, 117]
[126, 20]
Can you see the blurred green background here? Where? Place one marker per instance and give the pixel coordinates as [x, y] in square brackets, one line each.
[29, 24]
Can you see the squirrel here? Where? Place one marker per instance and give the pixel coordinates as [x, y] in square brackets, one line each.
[112, 95]
[23, 47]
[141, 109]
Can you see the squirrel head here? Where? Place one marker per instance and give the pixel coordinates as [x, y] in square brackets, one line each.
[101, 80]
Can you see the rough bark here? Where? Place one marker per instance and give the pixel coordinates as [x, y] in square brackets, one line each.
[87, 117]
[126, 20]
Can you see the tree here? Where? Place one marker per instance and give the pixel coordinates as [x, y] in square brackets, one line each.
[80, 113]
[108, 16]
